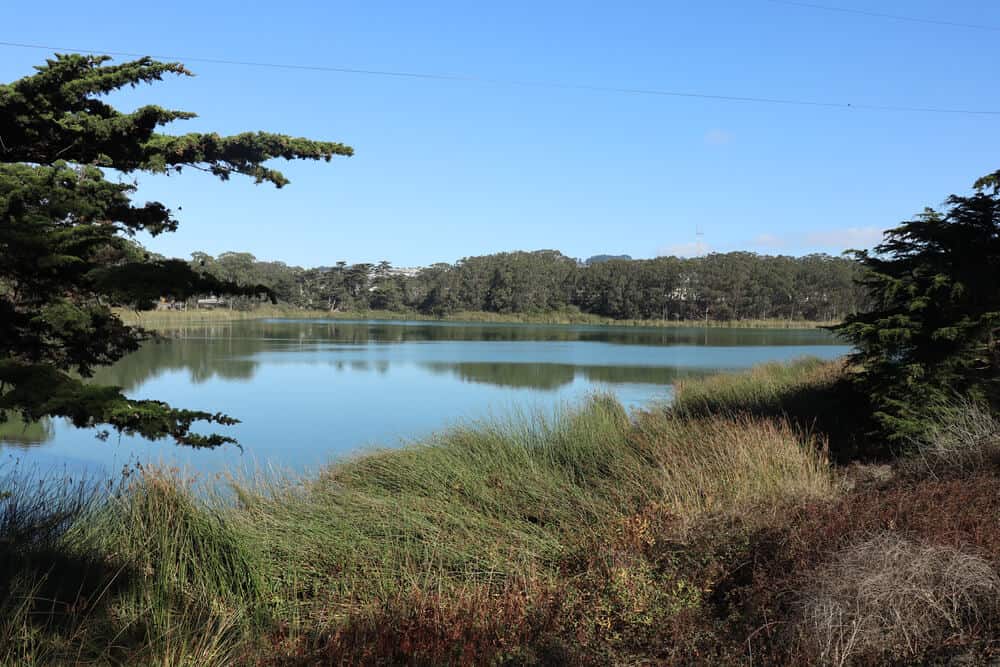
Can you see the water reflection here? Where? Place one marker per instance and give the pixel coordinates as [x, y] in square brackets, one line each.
[18, 433]
[226, 357]
[234, 351]
[306, 391]
[403, 332]
[552, 376]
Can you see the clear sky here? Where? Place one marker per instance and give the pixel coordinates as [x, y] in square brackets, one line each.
[447, 169]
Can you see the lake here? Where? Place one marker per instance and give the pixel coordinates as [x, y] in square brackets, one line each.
[309, 391]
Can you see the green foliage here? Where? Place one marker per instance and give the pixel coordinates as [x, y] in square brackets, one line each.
[729, 287]
[66, 254]
[932, 333]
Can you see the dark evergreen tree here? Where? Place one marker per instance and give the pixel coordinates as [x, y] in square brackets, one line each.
[932, 331]
[65, 254]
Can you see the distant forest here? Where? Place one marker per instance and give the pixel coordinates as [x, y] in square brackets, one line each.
[719, 286]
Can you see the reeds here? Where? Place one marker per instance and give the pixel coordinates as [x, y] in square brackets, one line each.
[166, 319]
[714, 528]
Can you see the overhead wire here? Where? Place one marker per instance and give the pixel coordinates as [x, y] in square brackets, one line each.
[882, 15]
[518, 82]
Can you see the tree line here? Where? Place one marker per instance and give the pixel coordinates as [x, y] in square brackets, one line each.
[922, 309]
[718, 286]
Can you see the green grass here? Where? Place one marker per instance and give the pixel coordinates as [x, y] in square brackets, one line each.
[814, 396]
[489, 502]
[574, 316]
[762, 389]
[504, 530]
[157, 319]
[170, 318]
[140, 572]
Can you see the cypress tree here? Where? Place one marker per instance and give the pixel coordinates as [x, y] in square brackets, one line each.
[65, 229]
[932, 332]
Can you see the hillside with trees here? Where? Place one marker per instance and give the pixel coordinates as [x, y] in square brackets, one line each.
[719, 287]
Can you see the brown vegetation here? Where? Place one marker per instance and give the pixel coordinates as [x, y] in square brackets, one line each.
[892, 598]
[713, 532]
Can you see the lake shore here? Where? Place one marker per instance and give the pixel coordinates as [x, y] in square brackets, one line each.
[723, 526]
[171, 318]
[390, 387]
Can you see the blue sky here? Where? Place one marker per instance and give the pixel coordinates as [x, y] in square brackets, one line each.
[448, 169]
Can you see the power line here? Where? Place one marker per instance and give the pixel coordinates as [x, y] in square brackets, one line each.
[895, 17]
[520, 83]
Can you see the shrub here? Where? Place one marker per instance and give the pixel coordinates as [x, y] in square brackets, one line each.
[956, 515]
[472, 626]
[963, 439]
[889, 597]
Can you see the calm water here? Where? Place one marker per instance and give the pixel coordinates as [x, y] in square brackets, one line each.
[310, 391]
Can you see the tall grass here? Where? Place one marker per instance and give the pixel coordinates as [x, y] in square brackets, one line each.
[496, 502]
[729, 463]
[764, 389]
[963, 439]
[487, 537]
[812, 395]
[485, 502]
[575, 316]
[137, 572]
[165, 319]
[35, 514]
[171, 318]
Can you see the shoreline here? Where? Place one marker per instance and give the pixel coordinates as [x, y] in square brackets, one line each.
[168, 319]
[530, 540]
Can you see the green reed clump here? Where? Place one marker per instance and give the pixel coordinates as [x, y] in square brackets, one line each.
[549, 518]
[35, 570]
[144, 571]
[814, 396]
[500, 501]
[484, 502]
[760, 390]
[182, 546]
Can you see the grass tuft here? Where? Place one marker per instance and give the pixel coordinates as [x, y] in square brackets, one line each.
[889, 598]
[963, 440]
[814, 396]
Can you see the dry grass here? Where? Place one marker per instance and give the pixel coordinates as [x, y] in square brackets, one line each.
[893, 599]
[167, 319]
[723, 463]
[965, 440]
